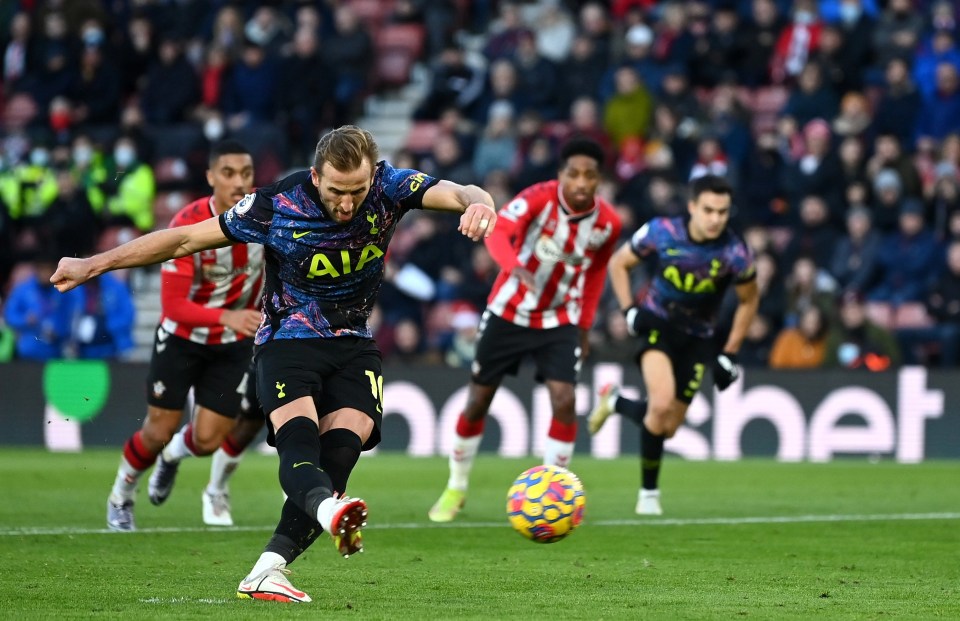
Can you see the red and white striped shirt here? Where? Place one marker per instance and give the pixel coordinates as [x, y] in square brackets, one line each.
[196, 289]
[567, 253]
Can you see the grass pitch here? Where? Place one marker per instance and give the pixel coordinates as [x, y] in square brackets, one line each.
[751, 539]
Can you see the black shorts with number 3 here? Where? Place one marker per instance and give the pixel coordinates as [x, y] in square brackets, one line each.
[503, 345]
[687, 353]
[343, 372]
[217, 374]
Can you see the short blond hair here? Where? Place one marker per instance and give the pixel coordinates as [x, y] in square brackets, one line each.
[345, 148]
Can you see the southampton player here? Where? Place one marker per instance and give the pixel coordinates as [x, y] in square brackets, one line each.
[208, 314]
[552, 244]
[694, 259]
[326, 232]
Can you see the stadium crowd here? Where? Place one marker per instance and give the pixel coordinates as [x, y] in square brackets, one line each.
[837, 122]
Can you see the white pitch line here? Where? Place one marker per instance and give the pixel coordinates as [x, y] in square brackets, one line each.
[718, 521]
[184, 600]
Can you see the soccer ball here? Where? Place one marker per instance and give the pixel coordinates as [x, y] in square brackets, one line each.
[546, 503]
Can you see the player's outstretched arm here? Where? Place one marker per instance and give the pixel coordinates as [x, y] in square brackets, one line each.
[479, 215]
[152, 248]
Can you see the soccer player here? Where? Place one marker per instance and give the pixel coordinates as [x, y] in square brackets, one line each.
[695, 259]
[326, 232]
[208, 316]
[552, 243]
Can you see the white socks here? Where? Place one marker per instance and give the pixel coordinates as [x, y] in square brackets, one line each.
[222, 468]
[267, 561]
[125, 485]
[461, 461]
[557, 453]
[177, 448]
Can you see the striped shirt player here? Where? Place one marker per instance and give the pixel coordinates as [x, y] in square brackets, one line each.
[552, 243]
[566, 251]
[196, 289]
[203, 343]
[693, 261]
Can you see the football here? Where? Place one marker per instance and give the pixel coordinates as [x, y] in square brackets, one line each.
[546, 503]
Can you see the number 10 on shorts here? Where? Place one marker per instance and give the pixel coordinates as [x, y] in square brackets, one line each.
[376, 387]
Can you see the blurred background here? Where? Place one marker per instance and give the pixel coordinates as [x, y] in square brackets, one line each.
[837, 121]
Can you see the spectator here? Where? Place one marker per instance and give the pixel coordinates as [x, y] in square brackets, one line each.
[638, 45]
[840, 71]
[817, 236]
[854, 260]
[807, 285]
[447, 160]
[943, 305]
[853, 165]
[813, 99]
[555, 31]
[171, 90]
[505, 32]
[762, 31]
[856, 26]
[888, 192]
[136, 53]
[20, 52]
[581, 74]
[899, 104]
[719, 52]
[350, 49]
[760, 187]
[888, 153]
[536, 76]
[454, 82]
[498, 142]
[104, 326]
[946, 205]
[96, 89]
[854, 118]
[503, 85]
[803, 346]
[41, 316]
[72, 225]
[942, 49]
[897, 32]
[940, 110]
[305, 101]
[629, 111]
[909, 259]
[817, 171]
[796, 41]
[250, 93]
[130, 194]
[855, 342]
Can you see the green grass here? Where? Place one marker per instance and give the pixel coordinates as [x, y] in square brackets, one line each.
[829, 541]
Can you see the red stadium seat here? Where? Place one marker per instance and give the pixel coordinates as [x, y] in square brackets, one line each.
[399, 46]
[912, 315]
[422, 136]
[372, 13]
[880, 313]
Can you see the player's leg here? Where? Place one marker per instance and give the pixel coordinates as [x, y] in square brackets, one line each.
[557, 355]
[247, 426]
[498, 352]
[657, 371]
[218, 392]
[285, 390]
[140, 452]
[172, 367]
[225, 460]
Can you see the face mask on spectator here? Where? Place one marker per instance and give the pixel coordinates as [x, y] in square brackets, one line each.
[82, 155]
[849, 13]
[39, 157]
[213, 129]
[124, 156]
[803, 17]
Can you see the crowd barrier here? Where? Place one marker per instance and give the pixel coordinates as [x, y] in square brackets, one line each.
[907, 415]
